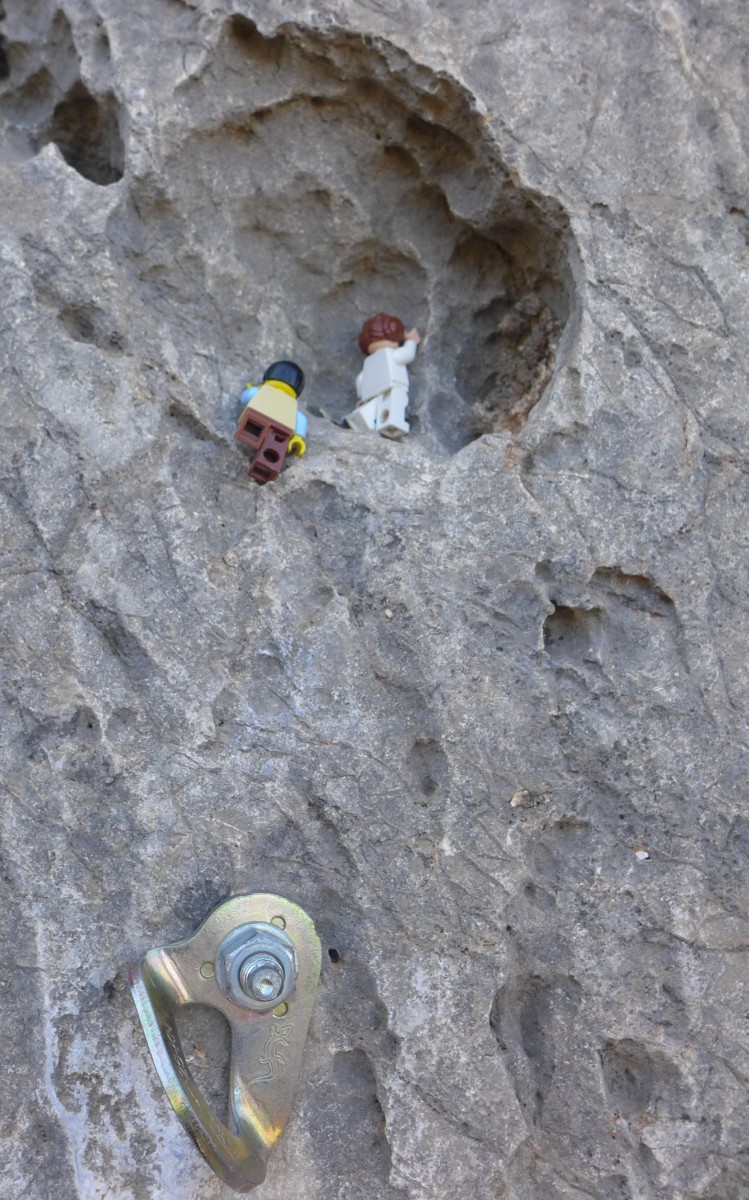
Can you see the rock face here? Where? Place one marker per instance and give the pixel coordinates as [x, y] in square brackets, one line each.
[475, 700]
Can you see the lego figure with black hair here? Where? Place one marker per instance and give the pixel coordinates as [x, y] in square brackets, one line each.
[382, 384]
[272, 423]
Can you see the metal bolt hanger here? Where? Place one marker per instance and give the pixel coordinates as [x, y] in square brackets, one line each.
[257, 960]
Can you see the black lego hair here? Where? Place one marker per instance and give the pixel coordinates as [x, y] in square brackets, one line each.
[286, 372]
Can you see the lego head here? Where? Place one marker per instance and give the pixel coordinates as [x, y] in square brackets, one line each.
[382, 328]
[286, 372]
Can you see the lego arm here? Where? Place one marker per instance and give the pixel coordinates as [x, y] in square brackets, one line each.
[297, 443]
[406, 353]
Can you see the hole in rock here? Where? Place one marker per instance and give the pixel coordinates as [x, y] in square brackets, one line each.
[316, 177]
[574, 636]
[87, 134]
[45, 100]
[87, 323]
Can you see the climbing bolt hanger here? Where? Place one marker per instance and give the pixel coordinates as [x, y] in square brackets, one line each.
[257, 960]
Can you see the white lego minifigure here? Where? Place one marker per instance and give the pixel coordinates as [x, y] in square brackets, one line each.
[382, 384]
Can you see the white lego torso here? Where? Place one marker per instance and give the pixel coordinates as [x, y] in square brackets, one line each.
[383, 370]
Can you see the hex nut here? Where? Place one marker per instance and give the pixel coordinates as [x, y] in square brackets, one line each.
[264, 942]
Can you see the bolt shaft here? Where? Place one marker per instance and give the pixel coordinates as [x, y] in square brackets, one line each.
[262, 977]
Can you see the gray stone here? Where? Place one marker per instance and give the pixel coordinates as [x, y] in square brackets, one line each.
[476, 701]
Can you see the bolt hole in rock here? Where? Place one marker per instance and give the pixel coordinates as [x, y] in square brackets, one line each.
[318, 177]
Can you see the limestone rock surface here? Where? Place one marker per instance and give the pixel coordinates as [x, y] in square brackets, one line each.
[476, 701]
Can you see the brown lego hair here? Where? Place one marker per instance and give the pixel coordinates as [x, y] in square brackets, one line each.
[382, 328]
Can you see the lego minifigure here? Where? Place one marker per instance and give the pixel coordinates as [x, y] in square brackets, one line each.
[271, 422]
[382, 385]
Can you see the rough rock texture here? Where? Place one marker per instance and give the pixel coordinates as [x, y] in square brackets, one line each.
[475, 701]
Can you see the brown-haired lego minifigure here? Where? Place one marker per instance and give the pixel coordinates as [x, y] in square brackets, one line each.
[382, 384]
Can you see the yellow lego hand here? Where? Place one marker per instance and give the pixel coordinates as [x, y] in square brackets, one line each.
[297, 445]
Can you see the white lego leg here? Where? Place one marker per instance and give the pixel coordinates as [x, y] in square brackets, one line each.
[391, 413]
[364, 418]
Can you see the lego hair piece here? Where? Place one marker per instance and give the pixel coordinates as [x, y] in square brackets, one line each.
[381, 328]
[286, 372]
